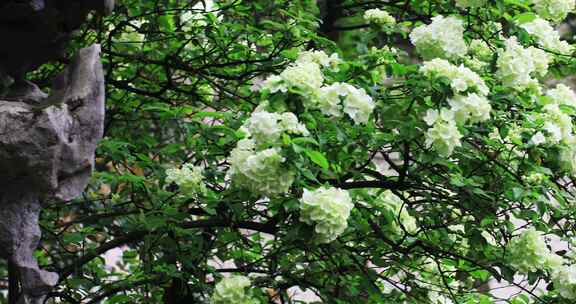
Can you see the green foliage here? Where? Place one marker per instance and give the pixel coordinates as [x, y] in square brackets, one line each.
[183, 77]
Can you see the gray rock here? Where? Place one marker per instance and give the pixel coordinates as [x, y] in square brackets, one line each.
[47, 154]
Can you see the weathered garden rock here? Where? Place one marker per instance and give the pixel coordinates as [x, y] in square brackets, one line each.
[47, 153]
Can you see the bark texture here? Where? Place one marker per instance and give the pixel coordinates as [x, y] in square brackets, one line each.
[47, 154]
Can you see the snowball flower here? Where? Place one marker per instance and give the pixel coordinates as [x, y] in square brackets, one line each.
[342, 97]
[568, 158]
[358, 105]
[319, 57]
[517, 65]
[546, 36]
[266, 128]
[329, 99]
[402, 219]
[290, 124]
[558, 124]
[262, 172]
[537, 139]
[304, 76]
[444, 135]
[555, 10]
[328, 210]
[564, 279]
[562, 95]
[189, 179]
[470, 3]
[461, 78]
[472, 107]
[232, 290]
[441, 38]
[380, 17]
[274, 84]
[263, 127]
[528, 252]
[480, 49]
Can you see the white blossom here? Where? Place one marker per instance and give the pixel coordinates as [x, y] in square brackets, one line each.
[562, 95]
[328, 210]
[480, 49]
[564, 279]
[402, 219]
[233, 290]
[555, 10]
[274, 84]
[321, 58]
[262, 172]
[442, 38]
[305, 76]
[378, 16]
[472, 107]
[358, 105]
[517, 65]
[266, 128]
[546, 36]
[568, 157]
[189, 179]
[342, 97]
[444, 135]
[528, 252]
[329, 99]
[461, 78]
[537, 139]
[558, 123]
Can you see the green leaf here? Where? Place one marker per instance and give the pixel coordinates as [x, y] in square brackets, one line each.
[317, 158]
[525, 18]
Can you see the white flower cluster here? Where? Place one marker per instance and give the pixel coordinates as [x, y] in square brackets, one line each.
[480, 55]
[321, 58]
[555, 10]
[306, 76]
[480, 49]
[402, 219]
[356, 103]
[443, 135]
[473, 107]
[260, 171]
[528, 253]
[517, 65]
[546, 36]
[557, 124]
[267, 128]
[564, 279]
[568, 158]
[470, 3]
[461, 78]
[232, 290]
[189, 179]
[380, 17]
[328, 210]
[442, 38]
[562, 95]
[256, 162]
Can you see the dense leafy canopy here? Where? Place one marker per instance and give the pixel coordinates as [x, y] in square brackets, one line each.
[398, 151]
